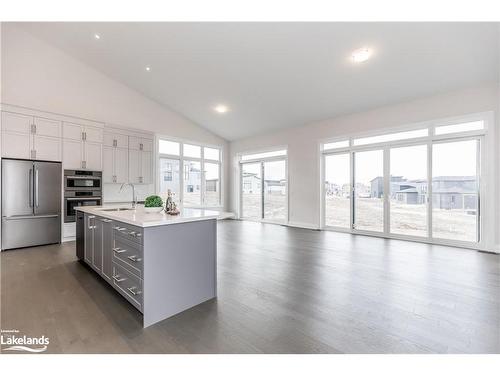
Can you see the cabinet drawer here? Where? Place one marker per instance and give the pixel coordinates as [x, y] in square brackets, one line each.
[129, 253]
[128, 232]
[128, 285]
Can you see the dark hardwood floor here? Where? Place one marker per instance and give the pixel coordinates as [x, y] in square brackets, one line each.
[281, 290]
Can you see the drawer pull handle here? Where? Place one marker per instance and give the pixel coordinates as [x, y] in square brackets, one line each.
[132, 234]
[118, 279]
[133, 258]
[138, 234]
[119, 229]
[106, 220]
[118, 250]
[132, 290]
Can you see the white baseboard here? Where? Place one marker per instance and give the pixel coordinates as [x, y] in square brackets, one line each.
[68, 239]
[298, 224]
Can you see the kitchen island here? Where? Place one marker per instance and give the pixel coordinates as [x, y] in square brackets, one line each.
[161, 264]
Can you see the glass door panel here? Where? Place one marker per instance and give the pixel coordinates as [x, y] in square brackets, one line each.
[408, 185]
[369, 190]
[275, 190]
[455, 186]
[212, 184]
[251, 191]
[192, 183]
[337, 190]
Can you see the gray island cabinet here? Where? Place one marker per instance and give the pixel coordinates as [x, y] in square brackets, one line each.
[162, 265]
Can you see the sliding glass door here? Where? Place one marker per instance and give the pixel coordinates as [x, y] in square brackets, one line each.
[263, 188]
[408, 190]
[428, 189]
[455, 190]
[369, 190]
[275, 190]
[337, 190]
[251, 191]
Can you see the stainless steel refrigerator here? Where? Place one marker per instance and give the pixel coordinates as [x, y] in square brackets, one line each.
[31, 203]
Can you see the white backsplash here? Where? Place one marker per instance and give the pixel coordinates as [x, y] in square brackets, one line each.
[111, 192]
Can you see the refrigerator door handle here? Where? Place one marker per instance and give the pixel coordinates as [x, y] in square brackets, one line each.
[30, 187]
[23, 217]
[36, 187]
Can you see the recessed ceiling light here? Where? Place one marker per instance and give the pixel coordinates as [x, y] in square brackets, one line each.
[97, 36]
[148, 68]
[361, 55]
[221, 108]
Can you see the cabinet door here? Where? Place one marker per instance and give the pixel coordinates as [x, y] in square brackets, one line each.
[134, 143]
[93, 156]
[72, 154]
[72, 131]
[16, 145]
[134, 166]
[89, 238]
[147, 144]
[146, 167]
[121, 165]
[97, 257]
[107, 248]
[14, 122]
[47, 148]
[93, 134]
[49, 128]
[108, 170]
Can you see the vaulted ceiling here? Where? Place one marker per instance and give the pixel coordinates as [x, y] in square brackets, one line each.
[278, 75]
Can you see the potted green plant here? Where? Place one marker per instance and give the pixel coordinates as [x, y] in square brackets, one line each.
[153, 204]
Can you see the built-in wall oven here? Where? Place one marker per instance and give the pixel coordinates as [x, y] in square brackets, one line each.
[81, 188]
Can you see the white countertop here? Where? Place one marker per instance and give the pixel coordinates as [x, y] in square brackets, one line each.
[140, 218]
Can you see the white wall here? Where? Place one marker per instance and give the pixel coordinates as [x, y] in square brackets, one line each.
[302, 142]
[39, 76]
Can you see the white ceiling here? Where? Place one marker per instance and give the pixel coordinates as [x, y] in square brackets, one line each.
[278, 75]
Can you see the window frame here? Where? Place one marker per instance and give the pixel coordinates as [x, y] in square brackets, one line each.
[485, 173]
[182, 160]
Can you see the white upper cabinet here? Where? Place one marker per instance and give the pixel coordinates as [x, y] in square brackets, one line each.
[108, 173]
[121, 165]
[93, 156]
[115, 140]
[72, 154]
[17, 123]
[73, 131]
[140, 160]
[87, 144]
[48, 128]
[29, 137]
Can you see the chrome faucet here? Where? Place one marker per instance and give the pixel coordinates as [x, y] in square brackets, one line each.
[134, 196]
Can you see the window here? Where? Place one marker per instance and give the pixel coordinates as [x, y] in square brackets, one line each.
[369, 190]
[264, 186]
[463, 127]
[169, 178]
[194, 177]
[211, 153]
[335, 145]
[422, 183]
[391, 137]
[169, 147]
[191, 151]
[455, 190]
[408, 190]
[263, 155]
[337, 190]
